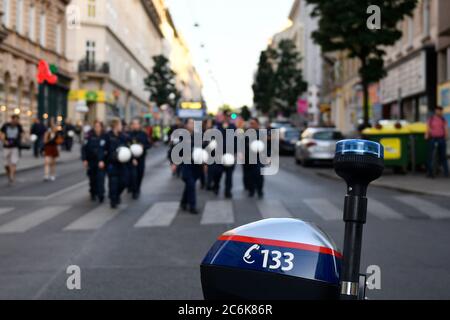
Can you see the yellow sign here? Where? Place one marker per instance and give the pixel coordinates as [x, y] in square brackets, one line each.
[89, 96]
[392, 148]
[191, 105]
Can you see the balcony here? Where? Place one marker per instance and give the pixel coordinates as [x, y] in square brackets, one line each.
[94, 68]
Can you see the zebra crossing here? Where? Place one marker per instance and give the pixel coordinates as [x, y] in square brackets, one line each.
[215, 212]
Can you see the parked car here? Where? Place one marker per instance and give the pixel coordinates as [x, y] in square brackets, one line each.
[317, 144]
[289, 136]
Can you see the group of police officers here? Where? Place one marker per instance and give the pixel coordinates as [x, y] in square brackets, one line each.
[211, 175]
[100, 155]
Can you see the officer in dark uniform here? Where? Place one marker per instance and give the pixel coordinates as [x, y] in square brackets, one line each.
[137, 167]
[255, 180]
[69, 133]
[190, 173]
[93, 156]
[225, 170]
[118, 173]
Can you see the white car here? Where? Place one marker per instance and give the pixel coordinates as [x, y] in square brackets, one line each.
[317, 144]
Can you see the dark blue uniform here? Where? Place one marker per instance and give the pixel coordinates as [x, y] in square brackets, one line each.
[190, 173]
[137, 172]
[118, 173]
[221, 169]
[254, 180]
[93, 151]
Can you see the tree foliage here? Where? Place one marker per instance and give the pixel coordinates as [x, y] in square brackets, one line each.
[343, 27]
[279, 79]
[162, 84]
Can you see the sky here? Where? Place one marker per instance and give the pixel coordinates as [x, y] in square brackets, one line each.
[233, 33]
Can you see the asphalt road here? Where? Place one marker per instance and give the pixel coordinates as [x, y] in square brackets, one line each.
[150, 250]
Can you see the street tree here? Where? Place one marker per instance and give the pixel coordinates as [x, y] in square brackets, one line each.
[288, 80]
[161, 83]
[348, 26]
[263, 86]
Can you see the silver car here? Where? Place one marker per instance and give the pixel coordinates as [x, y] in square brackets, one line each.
[317, 144]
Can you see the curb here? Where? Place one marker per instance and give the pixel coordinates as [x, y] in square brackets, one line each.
[390, 187]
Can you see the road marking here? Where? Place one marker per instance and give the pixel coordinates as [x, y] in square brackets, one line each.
[382, 211]
[48, 197]
[95, 219]
[324, 208]
[32, 220]
[5, 210]
[273, 209]
[427, 208]
[218, 212]
[161, 214]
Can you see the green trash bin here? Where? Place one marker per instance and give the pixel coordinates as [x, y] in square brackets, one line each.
[396, 143]
[418, 144]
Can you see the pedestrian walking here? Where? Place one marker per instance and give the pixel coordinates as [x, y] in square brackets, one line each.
[53, 138]
[190, 173]
[37, 131]
[11, 135]
[437, 135]
[69, 135]
[140, 144]
[93, 157]
[117, 168]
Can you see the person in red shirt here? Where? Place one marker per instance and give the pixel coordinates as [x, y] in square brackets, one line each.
[437, 135]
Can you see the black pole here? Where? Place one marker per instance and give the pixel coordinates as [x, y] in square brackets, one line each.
[355, 213]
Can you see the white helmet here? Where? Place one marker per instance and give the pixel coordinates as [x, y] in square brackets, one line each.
[137, 150]
[228, 160]
[199, 156]
[123, 154]
[33, 138]
[212, 145]
[257, 146]
[71, 134]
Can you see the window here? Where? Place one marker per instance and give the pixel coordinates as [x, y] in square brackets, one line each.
[91, 8]
[58, 35]
[426, 17]
[410, 31]
[6, 12]
[32, 23]
[19, 16]
[448, 64]
[90, 51]
[42, 29]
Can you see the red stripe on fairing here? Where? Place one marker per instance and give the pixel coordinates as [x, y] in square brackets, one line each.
[284, 244]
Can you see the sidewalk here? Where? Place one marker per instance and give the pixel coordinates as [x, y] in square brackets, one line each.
[28, 161]
[413, 183]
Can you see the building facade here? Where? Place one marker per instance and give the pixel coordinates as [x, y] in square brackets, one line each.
[443, 48]
[33, 32]
[300, 30]
[410, 89]
[111, 48]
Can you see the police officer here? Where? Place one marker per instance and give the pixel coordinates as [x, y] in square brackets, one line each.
[137, 167]
[226, 170]
[93, 156]
[190, 173]
[118, 173]
[253, 164]
[69, 133]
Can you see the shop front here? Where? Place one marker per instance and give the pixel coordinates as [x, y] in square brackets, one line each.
[409, 90]
[52, 93]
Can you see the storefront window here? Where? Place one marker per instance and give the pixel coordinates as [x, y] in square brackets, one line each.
[423, 109]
